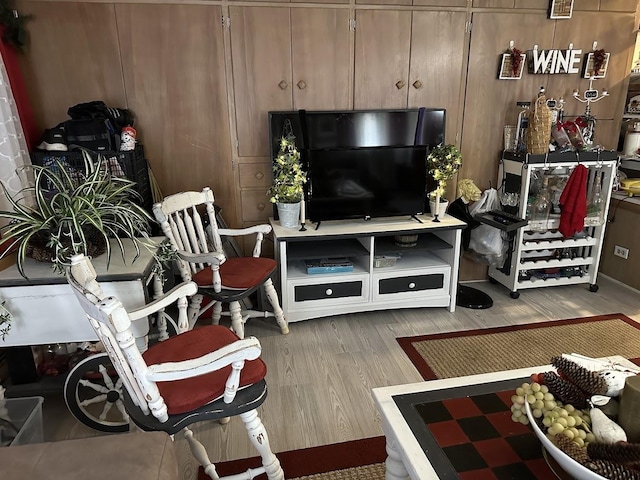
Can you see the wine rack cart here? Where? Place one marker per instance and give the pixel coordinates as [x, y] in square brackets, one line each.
[544, 259]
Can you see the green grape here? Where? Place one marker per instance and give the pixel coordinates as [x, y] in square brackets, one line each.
[569, 433]
[590, 437]
[571, 421]
[535, 386]
[579, 441]
[524, 420]
[520, 400]
[546, 421]
[582, 434]
[517, 414]
[548, 396]
[556, 428]
[538, 404]
[537, 413]
[539, 395]
[520, 391]
[515, 408]
[544, 389]
[569, 408]
[564, 412]
[562, 421]
[531, 399]
[515, 419]
[549, 405]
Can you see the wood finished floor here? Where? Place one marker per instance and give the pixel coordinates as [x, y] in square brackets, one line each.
[320, 375]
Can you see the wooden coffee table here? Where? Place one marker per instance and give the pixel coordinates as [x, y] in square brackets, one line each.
[411, 449]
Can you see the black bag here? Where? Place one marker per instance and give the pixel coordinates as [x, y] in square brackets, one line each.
[119, 117]
[93, 134]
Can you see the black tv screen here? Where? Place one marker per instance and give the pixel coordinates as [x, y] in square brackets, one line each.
[366, 182]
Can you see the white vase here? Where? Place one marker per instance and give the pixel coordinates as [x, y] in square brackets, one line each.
[442, 207]
[289, 214]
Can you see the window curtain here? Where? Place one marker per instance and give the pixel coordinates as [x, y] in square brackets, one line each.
[14, 154]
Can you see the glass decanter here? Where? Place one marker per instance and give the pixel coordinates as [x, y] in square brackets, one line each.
[540, 209]
[595, 203]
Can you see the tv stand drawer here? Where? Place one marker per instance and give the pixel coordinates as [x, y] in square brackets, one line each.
[429, 282]
[303, 293]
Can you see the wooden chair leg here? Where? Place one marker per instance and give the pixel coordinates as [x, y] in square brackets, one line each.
[237, 322]
[217, 313]
[260, 440]
[272, 295]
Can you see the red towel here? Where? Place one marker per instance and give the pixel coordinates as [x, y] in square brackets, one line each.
[574, 202]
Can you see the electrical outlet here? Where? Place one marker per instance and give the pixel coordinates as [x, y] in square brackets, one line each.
[619, 251]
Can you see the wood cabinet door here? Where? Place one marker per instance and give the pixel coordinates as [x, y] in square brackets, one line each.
[438, 48]
[383, 39]
[72, 57]
[262, 79]
[177, 91]
[321, 58]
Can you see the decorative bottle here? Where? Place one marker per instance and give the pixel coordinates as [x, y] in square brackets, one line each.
[540, 209]
[595, 204]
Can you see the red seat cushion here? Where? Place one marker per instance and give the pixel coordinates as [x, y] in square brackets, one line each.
[185, 395]
[241, 273]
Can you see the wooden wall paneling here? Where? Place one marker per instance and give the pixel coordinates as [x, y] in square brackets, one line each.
[382, 58]
[438, 50]
[262, 77]
[586, 5]
[615, 33]
[624, 231]
[619, 5]
[490, 104]
[322, 1]
[383, 2]
[176, 87]
[255, 175]
[533, 4]
[72, 57]
[441, 3]
[493, 3]
[321, 58]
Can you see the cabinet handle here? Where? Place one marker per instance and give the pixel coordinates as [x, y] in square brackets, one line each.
[417, 84]
[400, 84]
[328, 292]
[259, 175]
[261, 206]
[283, 85]
[302, 85]
[412, 285]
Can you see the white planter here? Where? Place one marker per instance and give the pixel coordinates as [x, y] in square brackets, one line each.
[442, 208]
[289, 214]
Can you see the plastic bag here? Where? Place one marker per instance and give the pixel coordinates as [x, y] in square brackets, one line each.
[485, 239]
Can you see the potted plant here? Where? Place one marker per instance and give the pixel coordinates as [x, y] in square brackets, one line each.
[69, 211]
[286, 190]
[442, 163]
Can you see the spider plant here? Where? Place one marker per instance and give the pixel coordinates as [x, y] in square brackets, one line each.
[67, 211]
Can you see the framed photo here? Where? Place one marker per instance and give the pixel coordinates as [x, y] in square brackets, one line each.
[589, 67]
[506, 67]
[560, 9]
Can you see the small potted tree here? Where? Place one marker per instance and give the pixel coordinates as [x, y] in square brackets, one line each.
[286, 190]
[442, 164]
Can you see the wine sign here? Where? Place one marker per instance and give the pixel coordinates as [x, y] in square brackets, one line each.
[554, 61]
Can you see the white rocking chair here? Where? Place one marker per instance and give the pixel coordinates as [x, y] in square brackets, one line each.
[203, 260]
[202, 374]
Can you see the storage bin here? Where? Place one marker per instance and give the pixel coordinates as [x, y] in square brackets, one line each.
[129, 164]
[25, 415]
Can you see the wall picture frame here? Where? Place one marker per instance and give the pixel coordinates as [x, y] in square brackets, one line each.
[506, 68]
[589, 68]
[560, 9]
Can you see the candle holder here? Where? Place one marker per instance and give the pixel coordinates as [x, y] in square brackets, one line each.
[591, 95]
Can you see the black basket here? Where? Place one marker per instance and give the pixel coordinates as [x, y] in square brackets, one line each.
[131, 165]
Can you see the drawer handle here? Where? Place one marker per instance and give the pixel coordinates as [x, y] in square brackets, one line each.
[412, 285]
[328, 292]
[261, 206]
[417, 84]
[302, 85]
[259, 175]
[400, 84]
[283, 84]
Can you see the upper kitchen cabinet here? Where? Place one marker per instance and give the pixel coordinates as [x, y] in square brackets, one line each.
[410, 59]
[285, 58]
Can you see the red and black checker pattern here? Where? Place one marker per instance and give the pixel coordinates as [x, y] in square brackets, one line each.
[480, 440]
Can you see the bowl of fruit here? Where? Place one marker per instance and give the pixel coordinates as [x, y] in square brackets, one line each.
[565, 409]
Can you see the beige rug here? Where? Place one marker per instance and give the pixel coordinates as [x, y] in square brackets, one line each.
[457, 354]
[367, 472]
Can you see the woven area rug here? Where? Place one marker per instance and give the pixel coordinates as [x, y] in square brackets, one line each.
[356, 460]
[456, 354]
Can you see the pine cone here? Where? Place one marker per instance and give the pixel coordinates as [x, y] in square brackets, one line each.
[564, 390]
[568, 446]
[620, 452]
[611, 470]
[586, 380]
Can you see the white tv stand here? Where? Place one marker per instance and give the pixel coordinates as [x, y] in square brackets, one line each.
[425, 276]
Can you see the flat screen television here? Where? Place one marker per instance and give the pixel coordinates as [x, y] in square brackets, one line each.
[363, 163]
